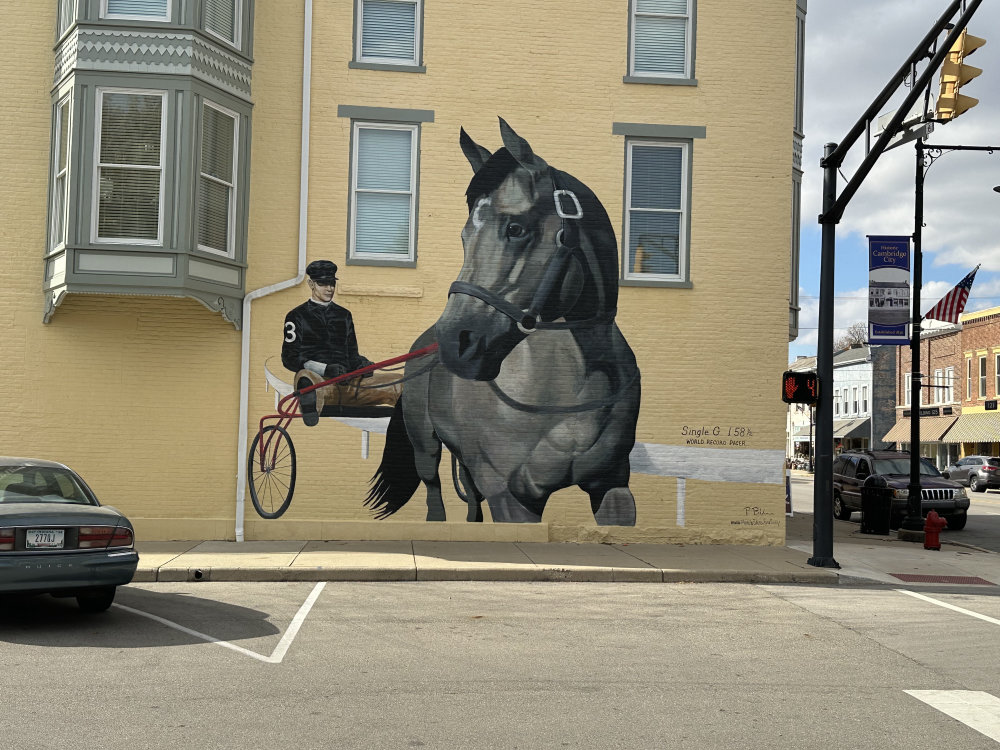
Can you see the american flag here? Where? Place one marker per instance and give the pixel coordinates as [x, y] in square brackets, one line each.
[952, 304]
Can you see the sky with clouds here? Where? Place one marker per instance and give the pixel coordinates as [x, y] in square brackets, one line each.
[853, 48]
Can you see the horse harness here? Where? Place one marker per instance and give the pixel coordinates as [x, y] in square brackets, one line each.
[567, 247]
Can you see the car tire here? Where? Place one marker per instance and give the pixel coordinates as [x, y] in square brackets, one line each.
[957, 521]
[976, 485]
[895, 521]
[840, 511]
[97, 600]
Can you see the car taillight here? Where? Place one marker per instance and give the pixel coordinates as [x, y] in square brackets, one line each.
[99, 537]
[989, 468]
[6, 539]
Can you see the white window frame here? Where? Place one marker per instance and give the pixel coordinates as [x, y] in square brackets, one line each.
[864, 399]
[105, 13]
[230, 251]
[414, 130]
[417, 35]
[96, 200]
[907, 388]
[237, 25]
[968, 379]
[949, 376]
[688, 41]
[60, 196]
[996, 369]
[683, 251]
[982, 377]
[854, 400]
[836, 403]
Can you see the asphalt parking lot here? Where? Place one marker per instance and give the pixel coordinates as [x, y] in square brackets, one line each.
[498, 665]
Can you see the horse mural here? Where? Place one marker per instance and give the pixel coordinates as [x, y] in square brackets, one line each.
[535, 388]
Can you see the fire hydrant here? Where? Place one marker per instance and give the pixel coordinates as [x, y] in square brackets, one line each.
[932, 530]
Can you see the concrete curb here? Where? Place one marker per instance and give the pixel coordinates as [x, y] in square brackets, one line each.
[583, 574]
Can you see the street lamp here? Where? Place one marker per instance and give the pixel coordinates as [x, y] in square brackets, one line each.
[912, 526]
[834, 205]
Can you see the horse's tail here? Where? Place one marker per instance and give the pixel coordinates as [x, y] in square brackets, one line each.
[396, 478]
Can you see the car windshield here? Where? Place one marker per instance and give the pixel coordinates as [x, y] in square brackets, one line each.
[41, 484]
[902, 466]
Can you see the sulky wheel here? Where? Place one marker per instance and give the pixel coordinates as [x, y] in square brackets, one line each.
[272, 477]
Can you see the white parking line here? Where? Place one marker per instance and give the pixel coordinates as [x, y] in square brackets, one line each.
[279, 651]
[940, 603]
[974, 708]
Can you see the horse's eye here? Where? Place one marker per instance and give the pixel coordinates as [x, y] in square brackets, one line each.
[515, 231]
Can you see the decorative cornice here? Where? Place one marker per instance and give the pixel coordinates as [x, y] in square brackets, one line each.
[169, 53]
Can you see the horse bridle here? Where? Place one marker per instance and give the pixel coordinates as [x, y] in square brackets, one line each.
[567, 247]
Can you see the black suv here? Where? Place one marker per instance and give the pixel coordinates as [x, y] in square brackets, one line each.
[852, 468]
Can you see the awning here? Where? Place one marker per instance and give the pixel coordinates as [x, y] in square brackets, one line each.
[849, 428]
[931, 430]
[981, 427]
[801, 435]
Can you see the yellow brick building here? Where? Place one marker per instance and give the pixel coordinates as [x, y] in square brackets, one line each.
[165, 188]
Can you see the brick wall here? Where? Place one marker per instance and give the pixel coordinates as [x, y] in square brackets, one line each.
[143, 394]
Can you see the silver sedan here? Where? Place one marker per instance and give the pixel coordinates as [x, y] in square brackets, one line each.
[57, 538]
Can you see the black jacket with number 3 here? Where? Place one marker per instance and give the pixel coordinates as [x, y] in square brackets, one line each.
[322, 333]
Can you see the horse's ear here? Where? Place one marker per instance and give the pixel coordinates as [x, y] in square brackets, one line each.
[476, 154]
[519, 148]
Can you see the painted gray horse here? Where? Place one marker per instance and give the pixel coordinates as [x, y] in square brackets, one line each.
[536, 388]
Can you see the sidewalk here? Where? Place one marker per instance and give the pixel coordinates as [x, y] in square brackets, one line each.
[863, 559]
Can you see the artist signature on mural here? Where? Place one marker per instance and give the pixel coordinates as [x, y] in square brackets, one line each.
[754, 515]
[725, 436]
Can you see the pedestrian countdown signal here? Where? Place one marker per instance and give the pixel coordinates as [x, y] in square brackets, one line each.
[800, 387]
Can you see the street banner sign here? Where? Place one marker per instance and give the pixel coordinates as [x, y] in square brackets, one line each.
[888, 290]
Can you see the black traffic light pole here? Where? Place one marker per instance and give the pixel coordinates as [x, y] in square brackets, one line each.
[926, 156]
[833, 209]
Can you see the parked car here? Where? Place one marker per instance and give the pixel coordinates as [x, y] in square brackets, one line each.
[56, 537]
[978, 472]
[852, 468]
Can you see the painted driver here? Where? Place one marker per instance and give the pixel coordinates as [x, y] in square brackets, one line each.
[319, 343]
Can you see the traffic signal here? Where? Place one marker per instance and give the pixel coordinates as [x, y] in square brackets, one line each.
[799, 387]
[955, 74]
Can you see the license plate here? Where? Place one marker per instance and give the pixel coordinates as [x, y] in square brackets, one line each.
[44, 539]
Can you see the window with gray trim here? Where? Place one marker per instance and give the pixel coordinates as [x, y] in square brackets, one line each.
[128, 199]
[60, 178]
[222, 19]
[141, 10]
[657, 175]
[388, 31]
[661, 42]
[66, 17]
[217, 179]
[383, 191]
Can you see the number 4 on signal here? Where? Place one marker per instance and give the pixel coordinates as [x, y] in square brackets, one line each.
[800, 387]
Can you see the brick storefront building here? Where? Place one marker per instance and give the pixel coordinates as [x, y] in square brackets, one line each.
[961, 366]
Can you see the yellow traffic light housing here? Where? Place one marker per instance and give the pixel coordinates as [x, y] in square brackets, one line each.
[954, 74]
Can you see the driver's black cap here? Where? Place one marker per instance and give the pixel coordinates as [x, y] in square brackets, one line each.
[322, 270]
